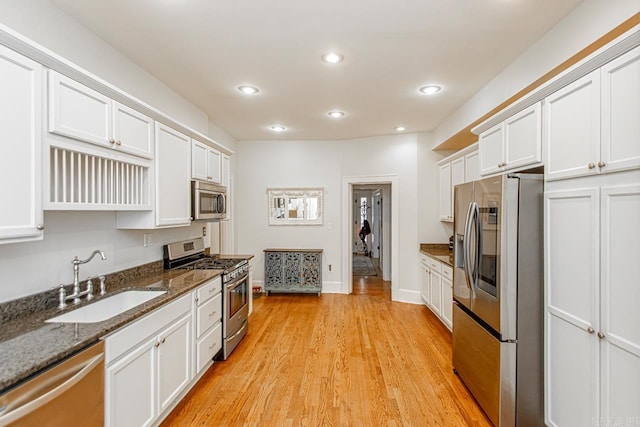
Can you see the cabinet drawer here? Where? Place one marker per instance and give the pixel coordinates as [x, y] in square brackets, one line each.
[208, 314]
[127, 337]
[447, 272]
[424, 260]
[435, 265]
[208, 346]
[208, 290]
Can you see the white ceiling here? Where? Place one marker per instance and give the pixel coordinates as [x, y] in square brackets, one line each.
[205, 49]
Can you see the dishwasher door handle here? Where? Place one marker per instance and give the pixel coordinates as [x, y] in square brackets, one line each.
[13, 411]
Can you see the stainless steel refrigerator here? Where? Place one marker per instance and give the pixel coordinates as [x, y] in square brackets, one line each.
[498, 294]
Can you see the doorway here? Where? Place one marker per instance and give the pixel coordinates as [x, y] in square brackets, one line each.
[372, 198]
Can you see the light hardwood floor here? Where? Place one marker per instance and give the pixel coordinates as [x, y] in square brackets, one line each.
[335, 360]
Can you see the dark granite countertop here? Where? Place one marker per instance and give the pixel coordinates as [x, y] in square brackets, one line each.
[29, 345]
[439, 251]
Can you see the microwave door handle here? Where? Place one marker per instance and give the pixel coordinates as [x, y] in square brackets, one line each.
[466, 255]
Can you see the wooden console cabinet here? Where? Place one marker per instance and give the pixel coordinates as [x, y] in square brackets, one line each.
[293, 270]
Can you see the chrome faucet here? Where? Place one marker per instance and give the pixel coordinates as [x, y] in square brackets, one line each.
[63, 298]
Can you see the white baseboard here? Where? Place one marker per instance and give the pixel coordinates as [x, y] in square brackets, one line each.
[408, 296]
[327, 287]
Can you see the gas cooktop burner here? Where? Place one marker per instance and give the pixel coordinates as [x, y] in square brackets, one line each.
[215, 263]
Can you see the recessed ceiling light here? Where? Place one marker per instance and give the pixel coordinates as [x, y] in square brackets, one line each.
[336, 114]
[431, 89]
[332, 58]
[400, 128]
[249, 90]
[278, 128]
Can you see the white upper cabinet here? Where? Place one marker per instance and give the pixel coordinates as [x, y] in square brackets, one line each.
[491, 143]
[446, 213]
[132, 131]
[514, 143]
[472, 167]
[205, 163]
[173, 177]
[457, 171]
[621, 112]
[572, 128]
[83, 114]
[21, 217]
[592, 125]
[226, 172]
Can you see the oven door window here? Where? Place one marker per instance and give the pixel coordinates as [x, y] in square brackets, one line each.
[208, 203]
[237, 297]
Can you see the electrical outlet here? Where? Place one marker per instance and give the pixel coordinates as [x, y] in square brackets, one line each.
[204, 231]
[148, 239]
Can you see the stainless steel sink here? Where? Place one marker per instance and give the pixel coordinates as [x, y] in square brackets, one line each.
[107, 308]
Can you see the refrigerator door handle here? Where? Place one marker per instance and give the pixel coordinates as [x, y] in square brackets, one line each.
[466, 253]
[478, 259]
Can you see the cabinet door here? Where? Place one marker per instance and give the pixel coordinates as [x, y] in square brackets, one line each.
[132, 131]
[435, 291]
[199, 152]
[447, 303]
[173, 177]
[445, 193]
[490, 148]
[174, 361]
[572, 129]
[620, 112]
[472, 167]
[424, 284]
[523, 138]
[620, 296]
[457, 172]
[130, 388]
[572, 300]
[20, 149]
[226, 172]
[214, 165]
[78, 112]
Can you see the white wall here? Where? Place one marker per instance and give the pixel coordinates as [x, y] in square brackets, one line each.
[267, 164]
[589, 21]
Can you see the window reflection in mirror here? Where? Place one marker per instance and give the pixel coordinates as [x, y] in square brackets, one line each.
[295, 206]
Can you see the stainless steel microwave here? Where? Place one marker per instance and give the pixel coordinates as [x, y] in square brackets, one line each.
[208, 201]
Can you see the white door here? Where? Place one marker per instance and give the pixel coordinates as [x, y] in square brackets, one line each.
[435, 292]
[490, 148]
[523, 137]
[572, 301]
[572, 129]
[445, 193]
[131, 388]
[174, 360]
[132, 131]
[20, 148]
[621, 112]
[619, 330]
[173, 177]
[376, 230]
[225, 166]
[199, 153]
[424, 284]
[472, 167]
[214, 165]
[78, 112]
[447, 303]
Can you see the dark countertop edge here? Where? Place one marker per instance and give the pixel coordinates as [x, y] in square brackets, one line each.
[439, 251]
[91, 332]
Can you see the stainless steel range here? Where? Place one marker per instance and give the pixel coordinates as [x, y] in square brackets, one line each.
[189, 254]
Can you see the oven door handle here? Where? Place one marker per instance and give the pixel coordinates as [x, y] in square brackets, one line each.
[244, 326]
[236, 281]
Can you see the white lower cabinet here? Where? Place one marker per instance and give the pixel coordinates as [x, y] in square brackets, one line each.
[436, 288]
[148, 365]
[592, 321]
[208, 323]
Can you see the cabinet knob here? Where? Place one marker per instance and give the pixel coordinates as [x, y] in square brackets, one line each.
[112, 141]
[163, 340]
[601, 164]
[118, 142]
[197, 300]
[40, 227]
[591, 165]
[590, 330]
[212, 313]
[600, 335]
[157, 344]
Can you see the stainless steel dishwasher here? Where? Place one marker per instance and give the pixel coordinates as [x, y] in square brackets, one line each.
[69, 394]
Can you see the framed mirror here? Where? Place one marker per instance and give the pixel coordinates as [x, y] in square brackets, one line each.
[295, 206]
